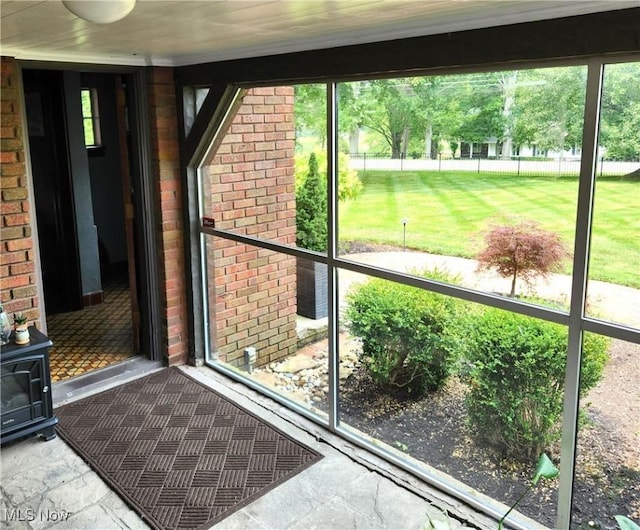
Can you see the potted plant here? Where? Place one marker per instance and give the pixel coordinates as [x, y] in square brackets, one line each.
[311, 234]
[20, 328]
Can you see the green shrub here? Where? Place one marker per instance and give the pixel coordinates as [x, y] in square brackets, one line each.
[349, 183]
[311, 209]
[406, 345]
[311, 197]
[517, 369]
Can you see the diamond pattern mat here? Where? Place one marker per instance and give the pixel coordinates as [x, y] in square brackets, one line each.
[177, 452]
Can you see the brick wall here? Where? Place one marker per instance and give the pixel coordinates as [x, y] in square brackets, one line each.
[169, 229]
[249, 187]
[252, 190]
[18, 290]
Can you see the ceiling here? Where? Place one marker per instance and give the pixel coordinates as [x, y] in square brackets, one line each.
[181, 32]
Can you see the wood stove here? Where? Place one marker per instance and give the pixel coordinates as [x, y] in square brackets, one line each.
[25, 389]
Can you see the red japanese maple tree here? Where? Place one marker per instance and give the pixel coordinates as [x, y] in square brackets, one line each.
[523, 250]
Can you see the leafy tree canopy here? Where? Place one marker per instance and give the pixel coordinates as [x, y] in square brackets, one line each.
[541, 107]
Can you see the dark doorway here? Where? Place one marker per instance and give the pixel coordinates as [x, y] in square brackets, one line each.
[55, 208]
[84, 209]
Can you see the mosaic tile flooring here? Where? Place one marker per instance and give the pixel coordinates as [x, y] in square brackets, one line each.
[92, 338]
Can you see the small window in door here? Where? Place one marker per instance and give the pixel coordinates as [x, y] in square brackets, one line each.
[91, 118]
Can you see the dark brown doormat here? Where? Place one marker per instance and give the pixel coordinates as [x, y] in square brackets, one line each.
[177, 452]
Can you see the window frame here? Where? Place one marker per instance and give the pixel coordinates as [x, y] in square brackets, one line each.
[92, 119]
[575, 319]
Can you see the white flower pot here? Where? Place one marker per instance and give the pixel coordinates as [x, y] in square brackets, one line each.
[22, 335]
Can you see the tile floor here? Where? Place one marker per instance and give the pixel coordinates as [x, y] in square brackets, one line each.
[95, 337]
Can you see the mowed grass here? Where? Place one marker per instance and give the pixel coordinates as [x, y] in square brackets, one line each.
[448, 212]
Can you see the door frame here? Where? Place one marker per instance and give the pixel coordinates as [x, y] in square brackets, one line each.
[142, 178]
[57, 190]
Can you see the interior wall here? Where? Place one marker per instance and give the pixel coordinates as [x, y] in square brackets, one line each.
[104, 168]
[85, 226]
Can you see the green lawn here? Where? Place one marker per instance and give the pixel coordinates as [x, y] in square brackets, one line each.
[446, 213]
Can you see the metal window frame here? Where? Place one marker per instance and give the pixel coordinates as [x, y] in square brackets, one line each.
[575, 319]
[93, 118]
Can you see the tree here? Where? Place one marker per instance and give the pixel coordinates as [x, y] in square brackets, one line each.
[522, 250]
[550, 108]
[349, 116]
[541, 107]
[388, 108]
[508, 83]
[311, 210]
[438, 112]
[311, 112]
[620, 127]
[481, 101]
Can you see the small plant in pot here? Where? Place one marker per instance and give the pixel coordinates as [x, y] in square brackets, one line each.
[20, 328]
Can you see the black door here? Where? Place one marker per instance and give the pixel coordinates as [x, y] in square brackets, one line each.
[53, 190]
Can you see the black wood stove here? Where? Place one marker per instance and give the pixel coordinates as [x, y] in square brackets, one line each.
[25, 389]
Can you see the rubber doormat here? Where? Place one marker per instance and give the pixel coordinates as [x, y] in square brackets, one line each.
[180, 454]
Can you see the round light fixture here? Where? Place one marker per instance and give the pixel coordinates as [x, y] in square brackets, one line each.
[100, 11]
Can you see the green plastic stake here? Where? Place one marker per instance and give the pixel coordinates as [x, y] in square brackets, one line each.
[544, 469]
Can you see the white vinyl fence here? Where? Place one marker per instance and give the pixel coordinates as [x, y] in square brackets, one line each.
[515, 166]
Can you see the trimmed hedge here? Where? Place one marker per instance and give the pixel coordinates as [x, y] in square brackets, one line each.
[413, 340]
[516, 375]
[405, 334]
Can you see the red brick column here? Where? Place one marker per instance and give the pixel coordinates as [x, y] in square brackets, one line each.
[169, 229]
[18, 291]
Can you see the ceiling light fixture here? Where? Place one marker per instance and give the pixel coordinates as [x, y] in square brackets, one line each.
[100, 11]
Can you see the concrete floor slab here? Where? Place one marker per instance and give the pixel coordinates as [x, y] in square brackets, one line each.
[46, 485]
